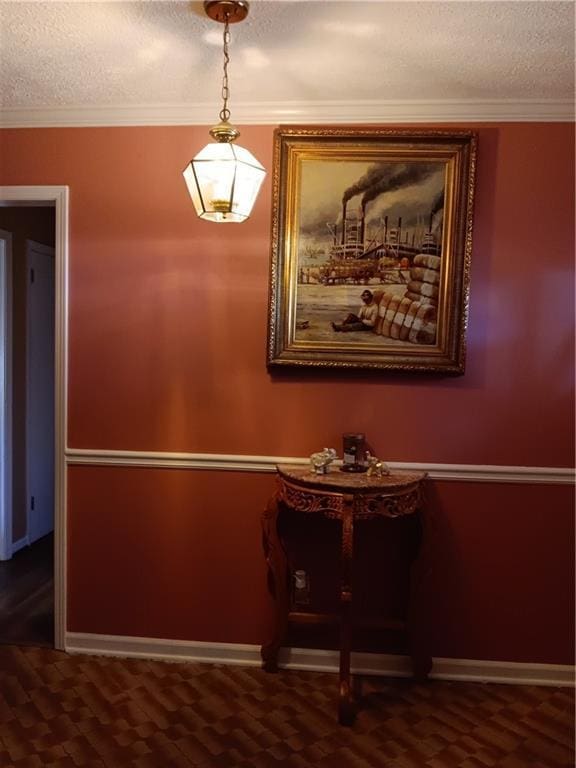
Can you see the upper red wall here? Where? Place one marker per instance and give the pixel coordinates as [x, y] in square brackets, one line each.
[168, 314]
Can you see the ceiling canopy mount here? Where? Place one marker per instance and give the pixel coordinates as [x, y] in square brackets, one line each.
[229, 11]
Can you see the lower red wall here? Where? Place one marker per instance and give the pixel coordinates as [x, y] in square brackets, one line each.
[167, 331]
[177, 554]
[182, 551]
[501, 582]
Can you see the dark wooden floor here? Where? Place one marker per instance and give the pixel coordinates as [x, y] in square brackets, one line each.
[61, 711]
[27, 595]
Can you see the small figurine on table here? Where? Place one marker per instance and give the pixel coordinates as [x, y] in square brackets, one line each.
[321, 461]
[376, 467]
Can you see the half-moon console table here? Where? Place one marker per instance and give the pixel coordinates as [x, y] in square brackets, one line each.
[346, 497]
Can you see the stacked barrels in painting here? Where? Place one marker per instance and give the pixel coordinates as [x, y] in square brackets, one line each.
[412, 317]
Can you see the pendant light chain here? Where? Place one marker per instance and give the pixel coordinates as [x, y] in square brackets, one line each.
[225, 112]
[223, 179]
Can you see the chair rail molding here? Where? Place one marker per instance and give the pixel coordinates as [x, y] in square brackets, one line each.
[244, 463]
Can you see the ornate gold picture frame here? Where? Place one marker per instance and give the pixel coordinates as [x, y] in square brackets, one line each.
[371, 246]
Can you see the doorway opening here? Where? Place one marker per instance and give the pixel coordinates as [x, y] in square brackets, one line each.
[33, 355]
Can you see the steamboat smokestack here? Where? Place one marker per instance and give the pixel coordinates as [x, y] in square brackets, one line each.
[362, 224]
[399, 229]
[343, 223]
[430, 222]
[385, 229]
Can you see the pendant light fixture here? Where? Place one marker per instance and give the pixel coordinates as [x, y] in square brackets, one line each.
[224, 179]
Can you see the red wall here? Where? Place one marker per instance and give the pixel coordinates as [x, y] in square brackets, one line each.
[168, 318]
[177, 554]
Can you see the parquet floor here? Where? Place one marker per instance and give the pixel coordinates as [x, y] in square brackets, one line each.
[65, 711]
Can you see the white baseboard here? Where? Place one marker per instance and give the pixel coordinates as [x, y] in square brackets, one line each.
[20, 544]
[377, 664]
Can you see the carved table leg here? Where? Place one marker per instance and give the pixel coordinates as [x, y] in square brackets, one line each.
[346, 709]
[277, 584]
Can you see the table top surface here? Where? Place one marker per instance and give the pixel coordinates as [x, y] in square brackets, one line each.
[348, 482]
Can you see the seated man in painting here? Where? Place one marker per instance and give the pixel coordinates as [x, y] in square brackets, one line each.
[366, 318]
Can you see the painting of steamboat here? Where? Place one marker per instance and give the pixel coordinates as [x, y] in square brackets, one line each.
[387, 258]
[400, 264]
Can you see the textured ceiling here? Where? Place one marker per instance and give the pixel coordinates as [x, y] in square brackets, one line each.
[288, 59]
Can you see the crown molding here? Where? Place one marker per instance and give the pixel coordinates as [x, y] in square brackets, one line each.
[241, 463]
[290, 112]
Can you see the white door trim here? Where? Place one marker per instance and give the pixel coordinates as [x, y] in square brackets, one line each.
[6, 549]
[57, 195]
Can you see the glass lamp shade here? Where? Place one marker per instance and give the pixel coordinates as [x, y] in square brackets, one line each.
[224, 180]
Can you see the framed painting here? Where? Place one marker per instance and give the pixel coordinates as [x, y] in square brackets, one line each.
[371, 246]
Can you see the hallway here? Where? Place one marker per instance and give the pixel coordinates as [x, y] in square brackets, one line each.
[27, 596]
